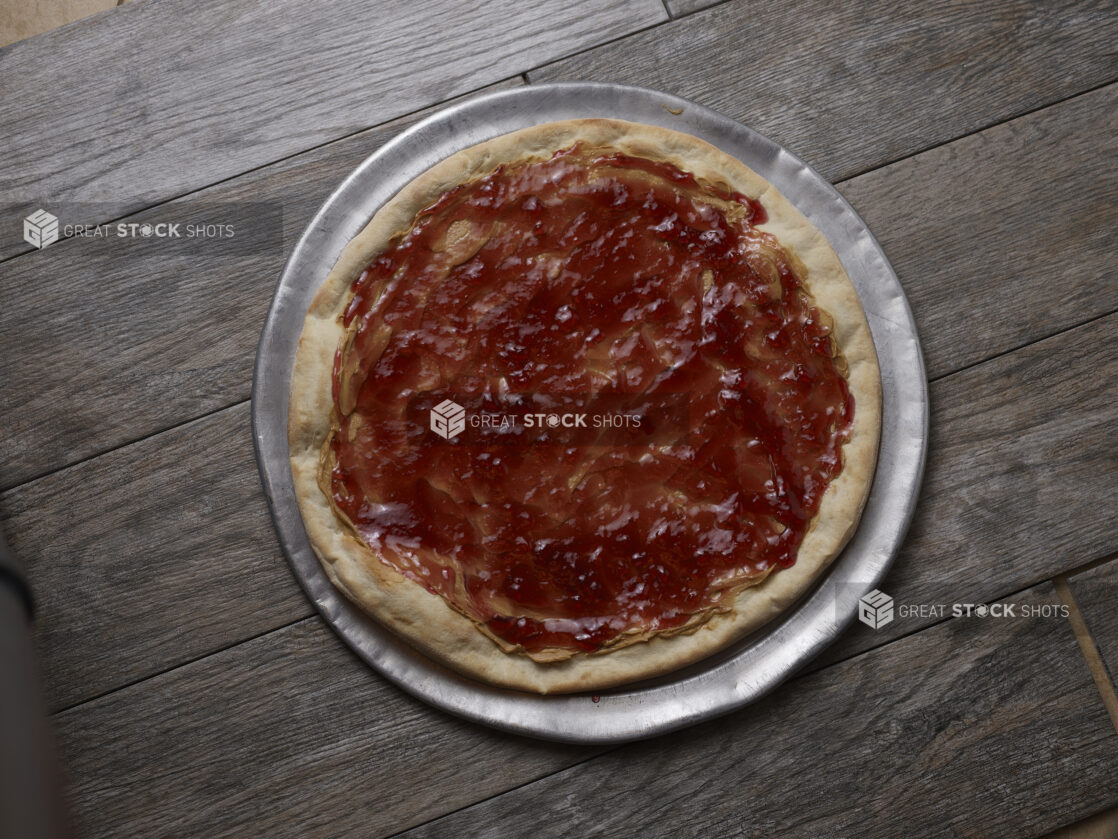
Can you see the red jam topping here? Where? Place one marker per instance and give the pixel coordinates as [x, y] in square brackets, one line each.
[586, 274]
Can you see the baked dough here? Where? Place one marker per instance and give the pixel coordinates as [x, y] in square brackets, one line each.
[428, 621]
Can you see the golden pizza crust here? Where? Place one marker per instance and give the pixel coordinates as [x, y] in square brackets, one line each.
[427, 620]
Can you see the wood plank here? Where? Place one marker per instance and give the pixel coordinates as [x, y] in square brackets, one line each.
[134, 113]
[1096, 593]
[1021, 463]
[1001, 235]
[285, 735]
[176, 328]
[999, 718]
[149, 557]
[852, 86]
[157, 360]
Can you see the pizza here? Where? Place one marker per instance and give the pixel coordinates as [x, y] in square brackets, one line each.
[582, 405]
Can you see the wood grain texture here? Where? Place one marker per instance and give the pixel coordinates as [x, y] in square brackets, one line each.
[288, 735]
[150, 556]
[1017, 444]
[851, 86]
[1096, 593]
[136, 113]
[159, 359]
[1001, 719]
[998, 236]
[157, 335]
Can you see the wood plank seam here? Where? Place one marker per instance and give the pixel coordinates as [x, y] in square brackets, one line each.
[688, 12]
[565, 67]
[311, 615]
[316, 147]
[978, 130]
[1087, 646]
[4, 490]
[1089, 566]
[1003, 353]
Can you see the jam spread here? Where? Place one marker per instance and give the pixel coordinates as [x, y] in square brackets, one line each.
[589, 273]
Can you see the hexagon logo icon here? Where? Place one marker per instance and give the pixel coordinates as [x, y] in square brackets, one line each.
[875, 609]
[40, 229]
[448, 419]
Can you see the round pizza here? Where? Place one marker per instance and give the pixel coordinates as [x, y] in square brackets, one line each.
[581, 405]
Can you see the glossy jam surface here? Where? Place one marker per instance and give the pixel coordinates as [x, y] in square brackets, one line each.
[588, 273]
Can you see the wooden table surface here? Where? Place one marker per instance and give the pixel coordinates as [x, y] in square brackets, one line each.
[194, 690]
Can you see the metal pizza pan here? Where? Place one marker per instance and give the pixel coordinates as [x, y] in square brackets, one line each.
[733, 677]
